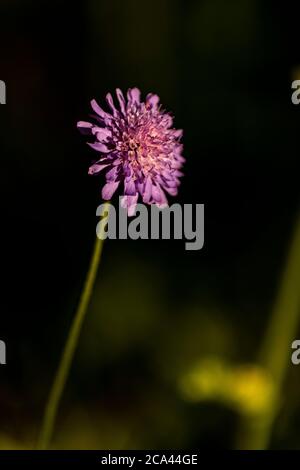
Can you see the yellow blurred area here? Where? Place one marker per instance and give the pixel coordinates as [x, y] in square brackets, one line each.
[9, 443]
[246, 388]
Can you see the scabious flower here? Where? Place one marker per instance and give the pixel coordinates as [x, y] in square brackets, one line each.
[138, 148]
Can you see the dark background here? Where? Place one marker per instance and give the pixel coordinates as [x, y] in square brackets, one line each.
[225, 70]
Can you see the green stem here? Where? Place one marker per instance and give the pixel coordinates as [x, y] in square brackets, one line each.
[70, 346]
[276, 350]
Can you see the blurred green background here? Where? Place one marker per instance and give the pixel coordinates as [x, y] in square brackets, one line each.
[168, 355]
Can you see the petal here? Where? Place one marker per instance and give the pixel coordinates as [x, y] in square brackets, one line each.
[111, 104]
[178, 173]
[101, 133]
[163, 200]
[152, 99]
[99, 110]
[99, 147]
[178, 133]
[177, 164]
[140, 187]
[156, 194]
[159, 196]
[134, 96]
[117, 161]
[147, 190]
[96, 168]
[127, 170]
[84, 124]
[112, 174]
[109, 189]
[121, 100]
[167, 175]
[172, 191]
[129, 187]
[172, 183]
[167, 121]
[85, 127]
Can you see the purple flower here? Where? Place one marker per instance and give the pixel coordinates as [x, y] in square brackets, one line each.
[138, 147]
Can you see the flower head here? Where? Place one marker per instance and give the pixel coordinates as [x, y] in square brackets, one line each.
[138, 148]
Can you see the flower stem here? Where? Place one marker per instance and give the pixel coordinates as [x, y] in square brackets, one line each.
[276, 349]
[70, 346]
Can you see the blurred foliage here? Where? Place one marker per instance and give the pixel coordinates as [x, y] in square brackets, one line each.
[247, 388]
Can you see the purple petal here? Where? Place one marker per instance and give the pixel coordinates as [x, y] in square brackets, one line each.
[109, 189]
[152, 99]
[99, 110]
[111, 104]
[129, 187]
[99, 147]
[134, 95]
[177, 164]
[85, 127]
[147, 190]
[112, 174]
[167, 174]
[140, 187]
[163, 200]
[167, 121]
[101, 133]
[127, 170]
[156, 194]
[116, 161]
[96, 168]
[178, 133]
[178, 173]
[84, 124]
[172, 191]
[172, 183]
[121, 100]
